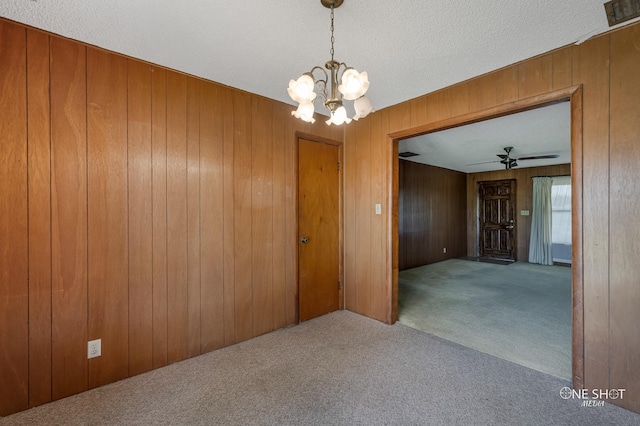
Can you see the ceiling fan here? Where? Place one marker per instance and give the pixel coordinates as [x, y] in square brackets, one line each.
[509, 162]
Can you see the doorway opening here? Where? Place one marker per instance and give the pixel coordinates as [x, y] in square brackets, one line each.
[574, 96]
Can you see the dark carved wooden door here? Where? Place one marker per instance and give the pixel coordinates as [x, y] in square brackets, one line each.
[497, 219]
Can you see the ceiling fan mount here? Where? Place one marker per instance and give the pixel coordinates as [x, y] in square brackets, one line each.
[507, 160]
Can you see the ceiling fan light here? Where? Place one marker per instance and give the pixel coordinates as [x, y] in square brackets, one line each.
[301, 90]
[305, 112]
[354, 84]
[363, 107]
[338, 117]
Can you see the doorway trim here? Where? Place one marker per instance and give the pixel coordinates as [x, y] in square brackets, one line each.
[574, 95]
[319, 139]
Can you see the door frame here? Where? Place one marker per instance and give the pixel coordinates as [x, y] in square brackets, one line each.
[572, 94]
[319, 139]
[514, 230]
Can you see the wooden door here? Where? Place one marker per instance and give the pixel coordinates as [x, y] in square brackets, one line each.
[318, 228]
[497, 219]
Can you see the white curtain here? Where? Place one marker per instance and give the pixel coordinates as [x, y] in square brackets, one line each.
[540, 242]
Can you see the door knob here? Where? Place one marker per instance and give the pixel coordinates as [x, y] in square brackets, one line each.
[304, 240]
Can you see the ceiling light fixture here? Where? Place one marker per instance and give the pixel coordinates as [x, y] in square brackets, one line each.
[354, 86]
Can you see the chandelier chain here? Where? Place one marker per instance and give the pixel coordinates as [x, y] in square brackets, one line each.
[332, 37]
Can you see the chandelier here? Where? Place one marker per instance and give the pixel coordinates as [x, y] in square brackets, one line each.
[352, 88]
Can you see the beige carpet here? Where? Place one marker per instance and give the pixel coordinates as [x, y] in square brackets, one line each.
[339, 369]
[519, 312]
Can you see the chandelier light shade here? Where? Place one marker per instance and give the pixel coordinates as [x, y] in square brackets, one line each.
[305, 111]
[339, 83]
[363, 107]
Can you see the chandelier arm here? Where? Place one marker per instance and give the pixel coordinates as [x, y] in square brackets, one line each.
[326, 76]
[320, 82]
[340, 72]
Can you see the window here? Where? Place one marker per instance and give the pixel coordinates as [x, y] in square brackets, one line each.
[561, 219]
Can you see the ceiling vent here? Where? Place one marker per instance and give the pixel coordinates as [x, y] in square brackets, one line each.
[407, 154]
[621, 10]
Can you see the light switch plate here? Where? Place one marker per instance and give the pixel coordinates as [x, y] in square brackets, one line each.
[524, 212]
[378, 208]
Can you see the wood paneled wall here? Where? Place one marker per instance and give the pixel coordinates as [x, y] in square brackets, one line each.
[611, 198]
[524, 201]
[432, 206]
[140, 206]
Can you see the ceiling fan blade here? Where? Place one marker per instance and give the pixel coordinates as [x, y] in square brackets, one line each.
[485, 162]
[539, 157]
[503, 156]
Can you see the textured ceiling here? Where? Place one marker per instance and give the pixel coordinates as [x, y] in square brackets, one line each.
[408, 47]
[545, 130]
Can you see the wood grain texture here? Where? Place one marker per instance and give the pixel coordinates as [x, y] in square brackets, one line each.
[459, 99]
[211, 217]
[535, 76]
[433, 214]
[14, 237]
[177, 227]
[39, 167]
[577, 262]
[319, 221]
[242, 157]
[393, 187]
[193, 216]
[159, 198]
[508, 87]
[378, 184]
[591, 68]
[418, 110]
[400, 115]
[229, 219]
[623, 207]
[562, 68]
[108, 262]
[364, 211]
[140, 209]
[490, 90]
[262, 219]
[68, 218]
[350, 219]
[291, 204]
[279, 167]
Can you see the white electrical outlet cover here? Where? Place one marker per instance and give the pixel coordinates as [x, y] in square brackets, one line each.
[94, 348]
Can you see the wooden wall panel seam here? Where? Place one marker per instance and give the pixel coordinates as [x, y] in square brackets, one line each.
[14, 221]
[39, 217]
[69, 217]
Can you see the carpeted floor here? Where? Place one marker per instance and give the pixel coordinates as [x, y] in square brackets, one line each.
[340, 369]
[520, 312]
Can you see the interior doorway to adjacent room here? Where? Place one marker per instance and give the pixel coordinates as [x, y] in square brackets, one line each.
[573, 95]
